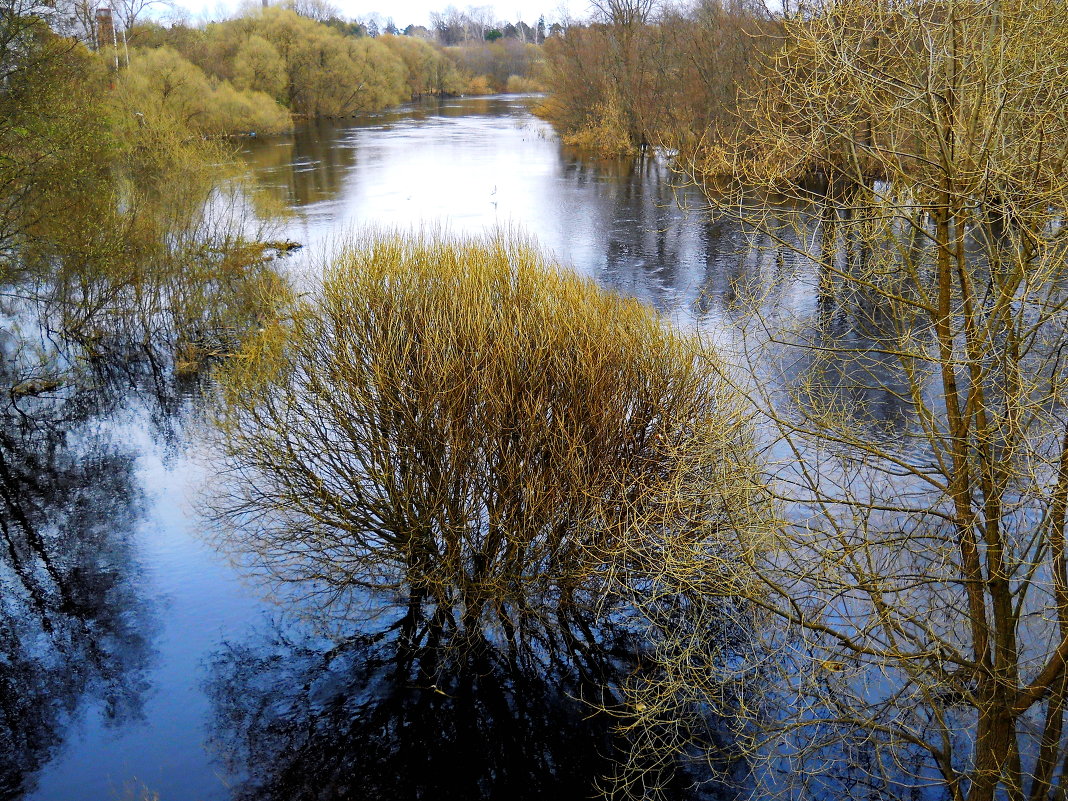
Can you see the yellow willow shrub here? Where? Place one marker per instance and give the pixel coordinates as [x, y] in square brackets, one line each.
[161, 83]
[258, 66]
[54, 144]
[479, 85]
[468, 425]
[328, 74]
[604, 132]
[235, 111]
[429, 72]
[519, 85]
[381, 74]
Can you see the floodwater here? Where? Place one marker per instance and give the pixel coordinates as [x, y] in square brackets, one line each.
[149, 664]
[476, 164]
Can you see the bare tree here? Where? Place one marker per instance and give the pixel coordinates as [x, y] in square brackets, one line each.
[128, 12]
[624, 13]
[318, 10]
[449, 26]
[908, 165]
[479, 20]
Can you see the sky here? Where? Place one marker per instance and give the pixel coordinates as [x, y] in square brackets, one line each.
[417, 12]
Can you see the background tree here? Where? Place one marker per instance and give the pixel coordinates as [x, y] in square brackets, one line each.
[128, 12]
[258, 66]
[318, 10]
[630, 80]
[449, 26]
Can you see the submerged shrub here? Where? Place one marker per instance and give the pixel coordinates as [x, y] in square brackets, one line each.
[604, 132]
[475, 428]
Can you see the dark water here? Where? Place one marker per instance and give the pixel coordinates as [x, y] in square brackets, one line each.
[132, 654]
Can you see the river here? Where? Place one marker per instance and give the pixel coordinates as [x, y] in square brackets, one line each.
[140, 684]
[476, 164]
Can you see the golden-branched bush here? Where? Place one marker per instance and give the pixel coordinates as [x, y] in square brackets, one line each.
[604, 132]
[429, 72]
[258, 66]
[479, 85]
[922, 579]
[160, 84]
[326, 74]
[475, 428]
[517, 84]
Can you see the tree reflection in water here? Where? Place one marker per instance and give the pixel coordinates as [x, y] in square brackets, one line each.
[411, 712]
[466, 430]
[73, 629]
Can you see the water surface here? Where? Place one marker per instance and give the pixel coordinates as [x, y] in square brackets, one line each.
[475, 164]
[131, 652]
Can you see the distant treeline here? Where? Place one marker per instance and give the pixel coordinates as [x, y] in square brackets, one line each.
[286, 62]
[258, 70]
[638, 76]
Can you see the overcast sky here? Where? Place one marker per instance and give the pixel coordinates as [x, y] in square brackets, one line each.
[417, 12]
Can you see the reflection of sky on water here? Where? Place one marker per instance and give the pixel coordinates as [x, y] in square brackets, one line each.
[475, 164]
[470, 165]
[194, 600]
[445, 166]
[74, 631]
